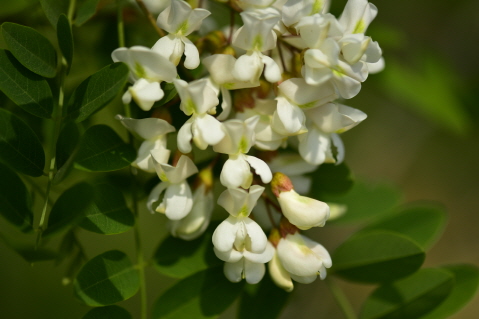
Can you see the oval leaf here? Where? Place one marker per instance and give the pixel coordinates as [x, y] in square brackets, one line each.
[410, 297]
[70, 207]
[96, 92]
[67, 145]
[107, 279]
[377, 257]
[423, 224]
[14, 200]
[205, 294]
[85, 11]
[102, 150]
[108, 312]
[65, 39]
[109, 214]
[31, 48]
[53, 9]
[20, 147]
[29, 91]
[465, 287]
[179, 258]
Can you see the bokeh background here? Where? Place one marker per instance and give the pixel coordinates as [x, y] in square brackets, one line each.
[421, 136]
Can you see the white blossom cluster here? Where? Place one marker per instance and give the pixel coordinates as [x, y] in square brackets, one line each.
[299, 110]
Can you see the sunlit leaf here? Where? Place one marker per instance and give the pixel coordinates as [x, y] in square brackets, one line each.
[109, 214]
[54, 8]
[410, 297]
[20, 147]
[465, 287]
[26, 89]
[108, 312]
[96, 92]
[65, 39]
[377, 257]
[107, 279]
[102, 150]
[31, 48]
[85, 11]
[205, 294]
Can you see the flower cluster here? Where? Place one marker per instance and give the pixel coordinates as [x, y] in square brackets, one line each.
[281, 79]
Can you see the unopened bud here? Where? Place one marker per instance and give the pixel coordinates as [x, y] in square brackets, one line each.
[280, 183]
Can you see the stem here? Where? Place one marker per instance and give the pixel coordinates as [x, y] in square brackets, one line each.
[280, 51]
[71, 10]
[270, 214]
[120, 26]
[232, 25]
[341, 299]
[150, 17]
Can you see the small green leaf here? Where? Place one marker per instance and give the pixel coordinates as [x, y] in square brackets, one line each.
[377, 257]
[26, 89]
[107, 279]
[96, 92]
[410, 297]
[53, 9]
[31, 48]
[102, 150]
[465, 287]
[109, 213]
[170, 92]
[108, 312]
[14, 200]
[424, 224]
[205, 294]
[67, 144]
[179, 258]
[29, 253]
[262, 301]
[365, 202]
[20, 147]
[65, 39]
[85, 11]
[70, 207]
[331, 179]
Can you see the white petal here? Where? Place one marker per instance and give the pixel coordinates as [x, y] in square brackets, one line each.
[254, 272]
[248, 68]
[303, 212]
[304, 279]
[296, 257]
[234, 271]
[279, 275]
[307, 96]
[263, 257]
[155, 195]
[260, 168]
[226, 105]
[178, 201]
[339, 148]
[170, 47]
[357, 16]
[291, 164]
[144, 160]
[291, 117]
[183, 169]
[314, 146]
[236, 173]
[146, 94]
[147, 128]
[184, 137]
[320, 251]
[272, 73]
[210, 129]
[230, 256]
[257, 236]
[192, 55]
[376, 67]
[225, 234]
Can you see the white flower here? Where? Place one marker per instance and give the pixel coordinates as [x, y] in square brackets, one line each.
[294, 10]
[279, 275]
[197, 98]
[156, 6]
[254, 4]
[144, 93]
[154, 132]
[178, 200]
[238, 140]
[294, 166]
[317, 28]
[179, 19]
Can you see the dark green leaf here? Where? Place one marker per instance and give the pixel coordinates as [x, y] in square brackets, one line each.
[108, 312]
[96, 92]
[65, 39]
[109, 213]
[31, 48]
[424, 224]
[67, 144]
[29, 91]
[30, 253]
[331, 179]
[410, 297]
[377, 257]
[365, 202]
[107, 279]
[262, 301]
[14, 200]
[20, 148]
[102, 150]
[85, 11]
[205, 294]
[170, 92]
[70, 207]
[179, 258]
[465, 287]
[54, 8]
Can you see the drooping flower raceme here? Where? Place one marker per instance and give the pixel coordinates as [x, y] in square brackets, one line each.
[294, 10]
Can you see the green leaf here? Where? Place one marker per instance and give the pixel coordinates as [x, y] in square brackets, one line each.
[65, 39]
[12, 7]
[465, 287]
[377, 257]
[365, 202]
[108, 312]
[67, 144]
[170, 92]
[331, 179]
[424, 224]
[26, 89]
[15, 200]
[109, 214]
[20, 147]
[30, 253]
[205, 294]
[96, 92]
[102, 150]
[262, 301]
[85, 11]
[410, 297]
[69, 208]
[54, 8]
[31, 48]
[179, 258]
[107, 279]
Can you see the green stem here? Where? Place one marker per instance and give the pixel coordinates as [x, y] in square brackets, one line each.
[120, 26]
[71, 10]
[341, 299]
